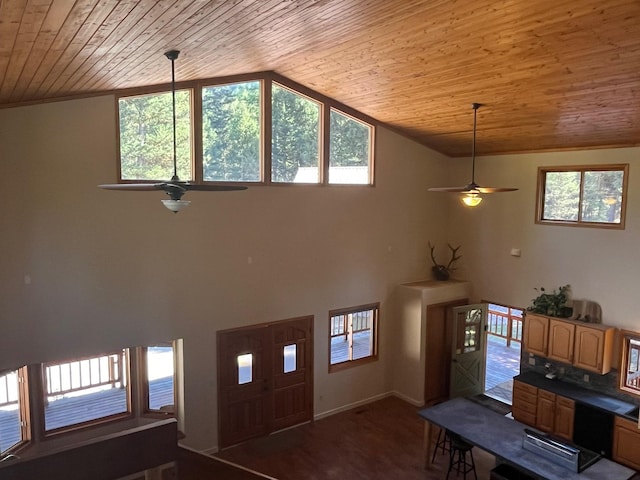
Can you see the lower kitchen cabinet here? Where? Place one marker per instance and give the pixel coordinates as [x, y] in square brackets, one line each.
[564, 416]
[546, 414]
[626, 443]
[524, 403]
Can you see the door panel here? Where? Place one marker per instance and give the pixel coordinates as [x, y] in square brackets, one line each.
[468, 354]
[265, 379]
[293, 389]
[243, 405]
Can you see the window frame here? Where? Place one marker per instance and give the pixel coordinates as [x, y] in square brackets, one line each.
[127, 379]
[147, 411]
[350, 363]
[625, 341]
[24, 410]
[266, 79]
[540, 194]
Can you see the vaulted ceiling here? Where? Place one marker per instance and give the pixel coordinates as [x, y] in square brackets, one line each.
[553, 75]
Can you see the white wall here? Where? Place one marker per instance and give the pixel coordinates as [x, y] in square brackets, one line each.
[600, 265]
[112, 269]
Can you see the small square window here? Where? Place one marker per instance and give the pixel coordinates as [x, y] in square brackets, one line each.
[289, 353]
[593, 196]
[353, 336]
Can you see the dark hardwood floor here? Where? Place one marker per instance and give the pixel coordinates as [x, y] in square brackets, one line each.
[381, 440]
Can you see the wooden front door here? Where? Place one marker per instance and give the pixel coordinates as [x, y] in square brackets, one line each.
[265, 379]
[467, 359]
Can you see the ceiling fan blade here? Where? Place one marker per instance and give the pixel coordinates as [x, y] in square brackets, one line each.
[495, 189]
[141, 187]
[213, 188]
[449, 189]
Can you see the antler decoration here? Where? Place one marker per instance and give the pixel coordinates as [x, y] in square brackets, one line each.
[454, 251]
[442, 272]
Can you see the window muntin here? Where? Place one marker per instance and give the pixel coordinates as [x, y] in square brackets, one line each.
[295, 137]
[86, 390]
[583, 196]
[146, 136]
[231, 132]
[13, 401]
[349, 150]
[159, 377]
[353, 336]
[630, 364]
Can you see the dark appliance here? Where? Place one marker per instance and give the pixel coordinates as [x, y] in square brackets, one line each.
[593, 429]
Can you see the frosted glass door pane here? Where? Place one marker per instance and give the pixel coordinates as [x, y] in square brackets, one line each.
[289, 354]
[245, 368]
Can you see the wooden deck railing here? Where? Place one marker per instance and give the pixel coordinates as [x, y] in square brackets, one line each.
[505, 323]
[8, 389]
[84, 373]
[361, 322]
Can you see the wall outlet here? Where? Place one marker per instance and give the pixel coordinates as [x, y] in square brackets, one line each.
[585, 378]
[532, 361]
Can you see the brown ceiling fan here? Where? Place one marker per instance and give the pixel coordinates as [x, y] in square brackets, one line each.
[174, 188]
[472, 190]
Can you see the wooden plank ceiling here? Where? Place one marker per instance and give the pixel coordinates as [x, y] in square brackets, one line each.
[553, 74]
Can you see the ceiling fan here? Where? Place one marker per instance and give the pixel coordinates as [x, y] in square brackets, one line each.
[174, 188]
[472, 190]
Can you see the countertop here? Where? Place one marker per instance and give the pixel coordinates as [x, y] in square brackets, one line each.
[503, 436]
[579, 394]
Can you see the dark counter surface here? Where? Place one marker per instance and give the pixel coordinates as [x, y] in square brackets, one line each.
[579, 394]
[503, 436]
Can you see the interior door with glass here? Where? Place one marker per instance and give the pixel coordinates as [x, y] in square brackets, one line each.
[468, 351]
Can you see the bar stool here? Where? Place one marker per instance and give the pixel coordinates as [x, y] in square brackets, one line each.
[443, 442]
[458, 457]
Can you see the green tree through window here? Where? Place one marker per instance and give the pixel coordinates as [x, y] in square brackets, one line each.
[231, 132]
[146, 136]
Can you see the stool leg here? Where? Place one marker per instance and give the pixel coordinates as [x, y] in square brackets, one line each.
[473, 464]
[435, 450]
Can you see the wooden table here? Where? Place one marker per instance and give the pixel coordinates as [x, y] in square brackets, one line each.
[502, 437]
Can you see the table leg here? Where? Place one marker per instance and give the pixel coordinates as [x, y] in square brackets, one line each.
[426, 445]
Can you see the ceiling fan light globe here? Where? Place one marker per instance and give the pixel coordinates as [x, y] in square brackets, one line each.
[472, 200]
[176, 205]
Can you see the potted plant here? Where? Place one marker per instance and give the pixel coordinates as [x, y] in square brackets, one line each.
[553, 304]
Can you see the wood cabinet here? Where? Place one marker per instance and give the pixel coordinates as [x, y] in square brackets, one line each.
[561, 340]
[594, 347]
[626, 443]
[542, 409]
[535, 336]
[525, 403]
[588, 346]
[546, 411]
[564, 416]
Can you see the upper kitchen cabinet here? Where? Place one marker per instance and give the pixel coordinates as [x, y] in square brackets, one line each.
[535, 335]
[588, 346]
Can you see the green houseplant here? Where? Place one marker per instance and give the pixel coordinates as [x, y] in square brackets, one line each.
[553, 304]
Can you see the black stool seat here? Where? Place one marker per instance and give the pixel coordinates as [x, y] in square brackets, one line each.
[458, 456]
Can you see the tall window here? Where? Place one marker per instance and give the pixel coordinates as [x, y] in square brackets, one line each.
[159, 372]
[13, 401]
[349, 150]
[592, 196]
[85, 390]
[231, 132]
[353, 336]
[630, 366]
[146, 136]
[295, 137]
